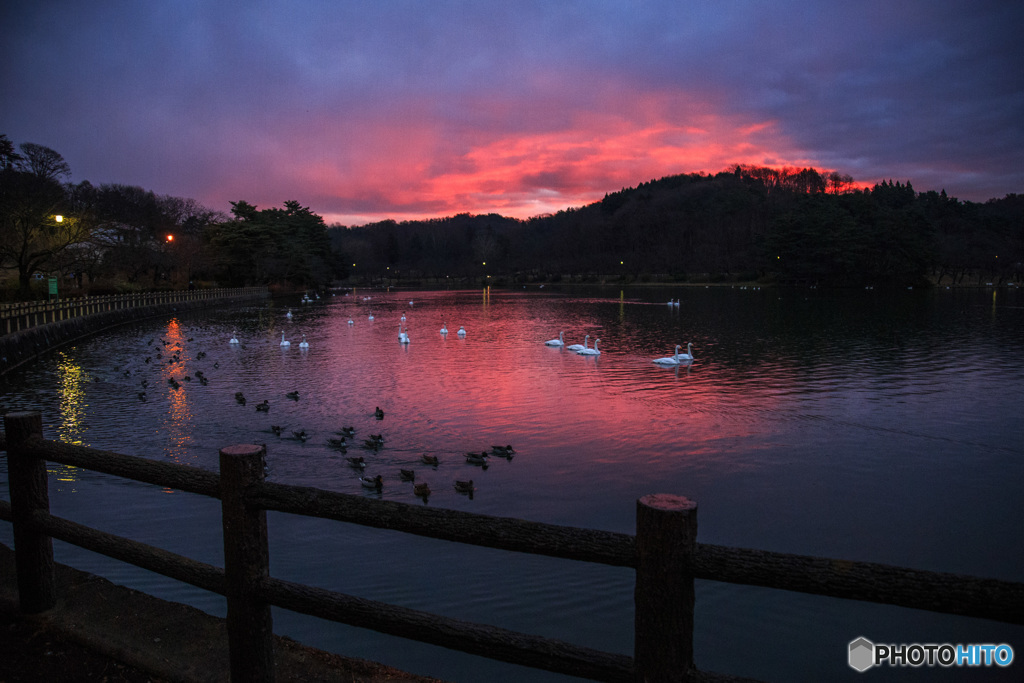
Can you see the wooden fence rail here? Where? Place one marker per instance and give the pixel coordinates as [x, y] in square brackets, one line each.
[664, 553]
[15, 317]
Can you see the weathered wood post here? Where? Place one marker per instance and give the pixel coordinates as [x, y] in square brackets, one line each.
[33, 551]
[666, 535]
[246, 565]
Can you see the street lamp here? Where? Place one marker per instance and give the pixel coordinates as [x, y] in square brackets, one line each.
[59, 218]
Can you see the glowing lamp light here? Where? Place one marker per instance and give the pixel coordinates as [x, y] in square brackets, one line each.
[170, 238]
[59, 218]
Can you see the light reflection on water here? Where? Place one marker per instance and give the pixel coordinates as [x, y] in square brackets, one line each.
[860, 425]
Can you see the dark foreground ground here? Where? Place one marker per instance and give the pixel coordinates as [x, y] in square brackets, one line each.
[103, 632]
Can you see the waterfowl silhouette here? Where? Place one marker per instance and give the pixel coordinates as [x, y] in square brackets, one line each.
[376, 482]
[504, 451]
[358, 462]
[464, 486]
[421, 490]
[293, 395]
[264, 407]
[407, 475]
[379, 414]
[430, 460]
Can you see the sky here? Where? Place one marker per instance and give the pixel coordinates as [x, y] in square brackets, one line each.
[364, 111]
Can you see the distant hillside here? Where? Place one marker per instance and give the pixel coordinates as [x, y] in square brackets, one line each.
[750, 223]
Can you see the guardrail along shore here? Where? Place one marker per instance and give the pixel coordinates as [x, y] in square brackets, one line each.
[664, 552]
[30, 328]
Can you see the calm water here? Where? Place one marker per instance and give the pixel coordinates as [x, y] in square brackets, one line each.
[865, 425]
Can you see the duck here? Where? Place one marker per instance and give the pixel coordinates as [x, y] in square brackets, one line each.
[376, 482]
[372, 444]
[579, 347]
[300, 435]
[477, 459]
[142, 395]
[429, 460]
[293, 395]
[464, 486]
[444, 328]
[335, 442]
[556, 342]
[304, 344]
[591, 352]
[407, 475]
[461, 332]
[421, 490]
[357, 462]
[264, 407]
[277, 429]
[379, 414]
[506, 451]
[240, 397]
[284, 342]
[234, 338]
[347, 431]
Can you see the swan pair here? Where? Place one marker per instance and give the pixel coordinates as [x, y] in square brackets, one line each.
[677, 358]
[583, 349]
[303, 345]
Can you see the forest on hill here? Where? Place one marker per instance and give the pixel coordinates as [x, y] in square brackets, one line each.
[746, 224]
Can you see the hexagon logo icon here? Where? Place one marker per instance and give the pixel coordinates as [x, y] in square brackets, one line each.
[862, 654]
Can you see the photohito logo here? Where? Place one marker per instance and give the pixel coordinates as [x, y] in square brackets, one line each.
[863, 654]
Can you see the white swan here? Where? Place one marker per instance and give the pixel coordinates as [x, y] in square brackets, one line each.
[288, 314]
[669, 360]
[685, 356]
[591, 352]
[444, 329]
[351, 321]
[403, 337]
[234, 338]
[304, 344]
[403, 317]
[284, 342]
[579, 347]
[461, 332]
[371, 316]
[556, 342]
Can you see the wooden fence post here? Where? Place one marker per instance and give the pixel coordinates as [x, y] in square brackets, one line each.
[33, 551]
[666, 535]
[246, 565]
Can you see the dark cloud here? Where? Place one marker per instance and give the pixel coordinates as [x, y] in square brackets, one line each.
[372, 109]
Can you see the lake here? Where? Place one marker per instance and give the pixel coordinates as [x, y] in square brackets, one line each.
[871, 425]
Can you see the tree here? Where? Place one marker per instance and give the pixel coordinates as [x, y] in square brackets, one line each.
[36, 225]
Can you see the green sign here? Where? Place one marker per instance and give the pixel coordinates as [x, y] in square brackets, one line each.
[53, 286]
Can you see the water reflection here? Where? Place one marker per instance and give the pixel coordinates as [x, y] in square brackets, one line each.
[72, 380]
[853, 418]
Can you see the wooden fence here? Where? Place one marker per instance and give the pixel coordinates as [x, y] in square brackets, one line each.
[664, 553]
[22, 316]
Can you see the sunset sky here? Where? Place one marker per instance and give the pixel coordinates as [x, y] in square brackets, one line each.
[405, 110]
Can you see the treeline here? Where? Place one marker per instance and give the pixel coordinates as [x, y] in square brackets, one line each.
[748, 223]
[113, 238]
